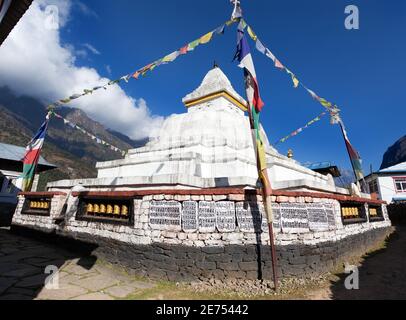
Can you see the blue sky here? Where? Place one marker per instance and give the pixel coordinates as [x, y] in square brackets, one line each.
[361, 70]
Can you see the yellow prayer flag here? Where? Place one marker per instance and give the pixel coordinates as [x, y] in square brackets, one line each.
[261, 155]
[295, 81]
[252, 34]
[206, 38]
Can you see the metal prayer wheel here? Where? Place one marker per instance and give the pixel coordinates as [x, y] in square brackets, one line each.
[124, 210]
[32, 204]
[46, 205]
[109, 209]
[89, 208]
[103, 208]
[43, 205]
[96, 208]
[117, 210]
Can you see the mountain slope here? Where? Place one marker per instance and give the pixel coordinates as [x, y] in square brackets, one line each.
[74, 153]
[395, 154]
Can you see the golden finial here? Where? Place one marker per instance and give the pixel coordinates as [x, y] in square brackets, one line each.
[290, 154]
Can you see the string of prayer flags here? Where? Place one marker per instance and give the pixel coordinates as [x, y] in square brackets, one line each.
[300, 130]
[90, 135]
[206, 38]
[294, 79]
[278, 64]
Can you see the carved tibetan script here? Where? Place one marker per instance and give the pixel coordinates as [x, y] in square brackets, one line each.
[249, 216]
[189, 216]
[331, 217]
[317, 217]
[225, 216]
[294, 218]
[165, 215]
[207, 217]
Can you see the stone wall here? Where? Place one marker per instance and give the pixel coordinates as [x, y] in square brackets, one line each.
[310, 235]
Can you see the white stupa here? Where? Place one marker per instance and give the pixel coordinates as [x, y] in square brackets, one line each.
[209, 146]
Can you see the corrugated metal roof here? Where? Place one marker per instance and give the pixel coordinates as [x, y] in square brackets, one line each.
[16, 153]
[401, 167]
[14, 13]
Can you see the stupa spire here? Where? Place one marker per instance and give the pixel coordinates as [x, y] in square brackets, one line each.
[215, 85]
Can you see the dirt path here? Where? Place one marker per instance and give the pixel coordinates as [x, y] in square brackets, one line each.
[23, 261]
[381, 273]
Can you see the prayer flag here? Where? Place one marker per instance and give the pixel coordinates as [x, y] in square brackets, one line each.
[206, 38]
[244, 57]
[32, 156]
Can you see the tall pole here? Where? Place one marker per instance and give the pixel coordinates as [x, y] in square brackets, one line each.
[266, 191]
[255, 105]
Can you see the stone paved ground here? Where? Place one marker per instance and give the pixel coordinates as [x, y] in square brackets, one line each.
[22, 273]
[23, 261]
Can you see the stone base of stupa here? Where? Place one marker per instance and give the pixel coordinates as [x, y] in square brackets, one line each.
[185, 235]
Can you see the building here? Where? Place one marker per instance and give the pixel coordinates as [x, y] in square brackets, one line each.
[389, 184]
[11, 11]
[187, 206]
[11, 168]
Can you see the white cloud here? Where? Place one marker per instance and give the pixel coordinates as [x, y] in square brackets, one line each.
[91, 48]
[34, 62]
[85, 9]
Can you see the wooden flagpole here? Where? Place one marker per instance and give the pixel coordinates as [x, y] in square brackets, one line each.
[266, 191]
[260, 157]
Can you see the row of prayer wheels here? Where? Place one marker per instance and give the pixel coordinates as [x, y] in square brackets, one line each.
[39, 205]
[350, 212]
[373, 212]
[118, 210]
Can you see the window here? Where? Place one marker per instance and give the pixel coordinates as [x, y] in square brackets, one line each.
[400, 184]
[373, 186]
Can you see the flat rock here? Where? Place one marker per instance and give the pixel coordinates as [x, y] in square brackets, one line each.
[141, 285]
[94, 296]
[32, 282]
[120, 291]
[96, 283]
[66, 292]
[5, 284]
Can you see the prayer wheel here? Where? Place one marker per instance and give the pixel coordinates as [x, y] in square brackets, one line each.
[117, 210]
[89, 208]
[103, 209]
[96, 208]
[124, 210]
[109, 209]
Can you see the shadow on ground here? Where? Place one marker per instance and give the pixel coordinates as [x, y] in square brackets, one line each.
[23, 263]
[6, 214]
[381, 274]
